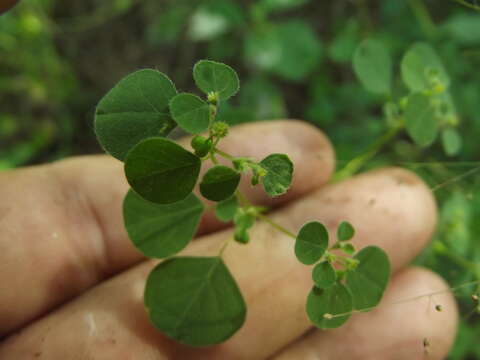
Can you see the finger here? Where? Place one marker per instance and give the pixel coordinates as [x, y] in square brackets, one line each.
[274, 284]
[397, 329]
[61, 227]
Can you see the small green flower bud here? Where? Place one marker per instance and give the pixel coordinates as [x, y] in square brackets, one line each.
[201, 145]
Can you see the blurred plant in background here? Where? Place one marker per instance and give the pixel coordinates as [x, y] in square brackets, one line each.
[57, 58]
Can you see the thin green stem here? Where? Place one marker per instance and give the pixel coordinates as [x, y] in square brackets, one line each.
[467, 4]
[354, 165]
[276, 226]
[423, 17]
[224, 154]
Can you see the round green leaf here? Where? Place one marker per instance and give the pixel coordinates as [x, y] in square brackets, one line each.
[161, 230]
[190, 112]
[418, 65]
[279, 174]
[373, 66]
[311, 242]
[162, 171]
[325, 303]
[451, 140]
[194, 300]
[291, 49]
[215, 77]
[345, 231]
[420, 119]
[219, 183]
[135, 109]
[368, 281]
[226, 209]
[323, 275]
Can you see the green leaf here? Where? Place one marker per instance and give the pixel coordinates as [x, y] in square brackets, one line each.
[214, 18]
[369, 280]
[279, 174]
[161, 171]
[451, 141]
[345, 231]
[160, 231]
[420, 119]
[214, 77]
[190, 112]
[194, 300]
[226, 209]
[135, 109]
[243, 220]
[373, 66]
[219, 183]
[323, 274]
[348, 248]
[324, 303]
[311, 242]
[421, 67]
[291, 50]
[464, 28]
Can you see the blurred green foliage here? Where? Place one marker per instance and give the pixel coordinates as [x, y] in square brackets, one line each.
[295, 59]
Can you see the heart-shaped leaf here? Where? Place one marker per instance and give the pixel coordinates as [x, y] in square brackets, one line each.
[194, 300]
[420, 119]
[161, 230]
[215, 77]
[279, 174]
[369, 280]
[324, 306]
[311, 242]
[219, 183]
[162, 171]
[323, 274]
[135, 109]
[190, 112]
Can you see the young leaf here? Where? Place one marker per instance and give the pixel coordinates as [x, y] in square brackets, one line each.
[135, 109]
[420, 119]
[451, 140]
[219, 183]
[226, 209]
[419, 64]
[161, 171]
[291, 49]
[215, 77]
[373, 66]
[190, 112]
[323, 274]
[324, 304]
[194, 300]
[368, 281]
[279, 174]
[311, 242]
[159, 231]
[345, 231]
[243, 222]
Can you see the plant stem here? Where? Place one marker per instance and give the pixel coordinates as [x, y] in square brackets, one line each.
[467, 4]
[423, 17]
[276, 226]
[356, 163]
[224, 154]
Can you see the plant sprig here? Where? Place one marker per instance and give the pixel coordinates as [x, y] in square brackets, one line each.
[195, 300]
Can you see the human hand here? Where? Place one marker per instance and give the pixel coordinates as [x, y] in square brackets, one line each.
[72, 283]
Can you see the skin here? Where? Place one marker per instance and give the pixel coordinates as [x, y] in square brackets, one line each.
[73, 283]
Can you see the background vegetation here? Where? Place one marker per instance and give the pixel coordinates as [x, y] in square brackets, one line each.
[58, 58]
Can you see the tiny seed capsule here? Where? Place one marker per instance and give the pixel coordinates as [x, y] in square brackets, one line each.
[328, 316]
[438, 308]
[475, 297]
